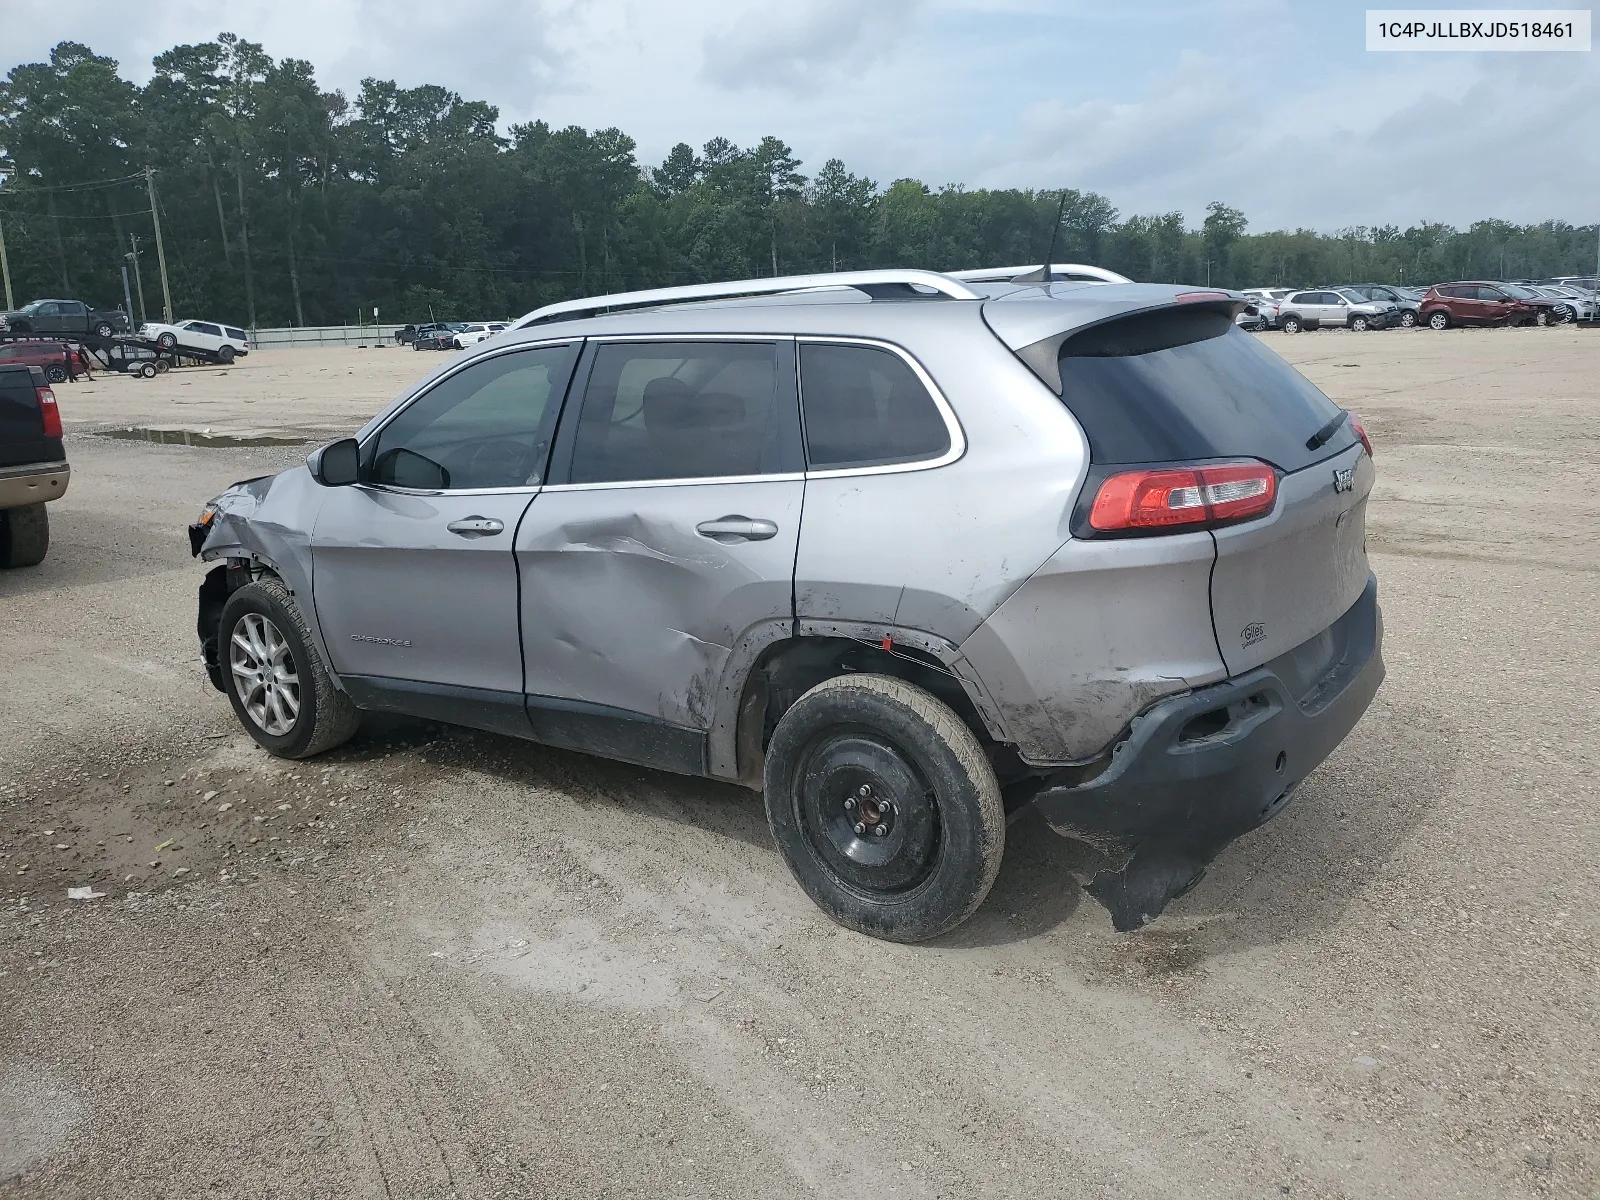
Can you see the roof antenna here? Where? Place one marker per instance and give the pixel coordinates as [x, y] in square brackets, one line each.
[1042, 275]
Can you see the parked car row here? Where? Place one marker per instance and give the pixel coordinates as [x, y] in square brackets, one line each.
[1364, 306]
[447, 335]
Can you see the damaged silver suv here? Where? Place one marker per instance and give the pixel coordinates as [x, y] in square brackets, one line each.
[909, 553]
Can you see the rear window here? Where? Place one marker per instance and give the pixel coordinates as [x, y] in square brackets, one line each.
[1188, 384]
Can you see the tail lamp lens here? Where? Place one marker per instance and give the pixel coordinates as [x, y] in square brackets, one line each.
[50, 413]
[1360, 430]
[1184, 497]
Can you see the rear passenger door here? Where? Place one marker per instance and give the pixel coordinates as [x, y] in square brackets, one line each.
[663, 544]
[202, 336]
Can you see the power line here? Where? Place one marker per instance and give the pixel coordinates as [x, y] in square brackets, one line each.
[73, 187]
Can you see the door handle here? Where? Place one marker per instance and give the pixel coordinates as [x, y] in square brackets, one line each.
[737, 528]
[476, 526]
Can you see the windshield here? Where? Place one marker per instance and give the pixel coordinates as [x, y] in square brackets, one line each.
[34, 307]
[1521, 293]
[1354, 294]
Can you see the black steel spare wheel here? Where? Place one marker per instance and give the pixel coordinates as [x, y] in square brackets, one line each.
[885, 807]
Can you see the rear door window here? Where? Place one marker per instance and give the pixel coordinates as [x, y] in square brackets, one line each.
[864, 406]
[1182, 385]
[686, 410]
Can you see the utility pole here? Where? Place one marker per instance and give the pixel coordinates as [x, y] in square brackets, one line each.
[138, 279]
[126, 295]
[161, 254]
[5, 267]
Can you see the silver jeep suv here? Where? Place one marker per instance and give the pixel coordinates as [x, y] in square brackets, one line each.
[908, 553]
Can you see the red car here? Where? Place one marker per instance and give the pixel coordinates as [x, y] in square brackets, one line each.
[60, 362]
[1476, 302]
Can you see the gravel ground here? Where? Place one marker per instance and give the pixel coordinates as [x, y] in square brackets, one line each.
[441, 963]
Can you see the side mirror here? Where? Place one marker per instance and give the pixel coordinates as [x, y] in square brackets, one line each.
[338, 464]
[408, 469]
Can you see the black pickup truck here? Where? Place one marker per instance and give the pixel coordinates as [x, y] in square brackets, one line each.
[33, 466]
[69, 318]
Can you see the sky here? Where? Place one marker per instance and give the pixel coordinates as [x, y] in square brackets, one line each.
[1272, 106]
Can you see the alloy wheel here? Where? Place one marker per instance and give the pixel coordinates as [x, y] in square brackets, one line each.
[264, 674]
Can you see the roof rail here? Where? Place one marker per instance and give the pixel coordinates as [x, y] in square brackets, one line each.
[881, 285]
[1070, 272]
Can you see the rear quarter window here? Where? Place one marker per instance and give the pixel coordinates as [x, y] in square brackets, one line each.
[236, 334]
[864, 406]
[1185, 385]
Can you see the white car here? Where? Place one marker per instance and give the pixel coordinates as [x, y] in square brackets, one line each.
[473, 334]
[210, 339]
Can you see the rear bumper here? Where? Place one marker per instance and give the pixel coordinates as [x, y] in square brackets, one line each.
[1198, 770]
[33, 484]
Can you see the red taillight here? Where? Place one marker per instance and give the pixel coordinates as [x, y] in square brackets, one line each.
[50, 413]
[1360, 430]
[1184, 497]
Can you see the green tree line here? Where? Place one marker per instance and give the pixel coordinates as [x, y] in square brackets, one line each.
[282, 203]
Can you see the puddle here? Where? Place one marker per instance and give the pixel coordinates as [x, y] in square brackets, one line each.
[188, 437]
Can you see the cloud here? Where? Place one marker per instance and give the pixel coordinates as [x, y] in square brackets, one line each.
[797, 45]
[1272, 106]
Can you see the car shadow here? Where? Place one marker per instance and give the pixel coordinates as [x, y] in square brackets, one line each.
[1299, 873]
[1305, 870]
[590, 782]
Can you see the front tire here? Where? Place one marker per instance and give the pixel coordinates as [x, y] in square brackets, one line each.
[1408, 320]
[1542, 317]
[1359, 324]
[280, 690]
[1439, 320]
[24, 536]
[167, 341]
[862, 753]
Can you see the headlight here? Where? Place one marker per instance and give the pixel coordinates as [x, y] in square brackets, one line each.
[207, 514]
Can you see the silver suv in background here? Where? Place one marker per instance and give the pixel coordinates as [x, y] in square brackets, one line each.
[1334, 307]
[909, 554]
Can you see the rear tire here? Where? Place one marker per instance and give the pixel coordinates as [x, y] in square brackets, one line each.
[1439, 320]
[225, 355]
[147, 370]
[264, 687]
[871, 751]
[103, 330]
[55, 373]
[24, 536]
[1290, 323]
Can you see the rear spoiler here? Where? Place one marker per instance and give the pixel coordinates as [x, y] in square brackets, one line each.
[1020, 324]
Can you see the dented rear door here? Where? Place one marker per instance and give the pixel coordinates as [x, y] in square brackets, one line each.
[668, 537]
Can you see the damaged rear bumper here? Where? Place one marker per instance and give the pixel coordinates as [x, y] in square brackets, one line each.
[1196, 771]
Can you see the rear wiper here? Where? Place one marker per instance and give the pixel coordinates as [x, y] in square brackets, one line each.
[1321, 437]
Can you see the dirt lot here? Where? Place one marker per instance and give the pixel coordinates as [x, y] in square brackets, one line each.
[440, 963]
